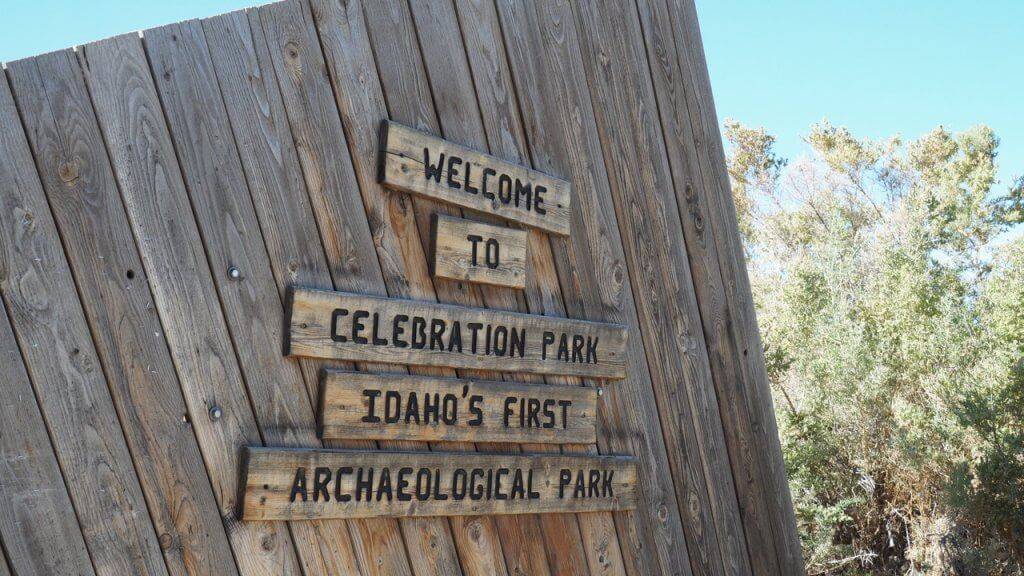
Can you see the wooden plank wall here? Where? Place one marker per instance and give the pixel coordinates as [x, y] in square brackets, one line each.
[137, 172]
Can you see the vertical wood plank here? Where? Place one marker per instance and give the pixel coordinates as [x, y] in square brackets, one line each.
[499, 111]
[707, 140]
[289, 47]
[39, 292]
[408, 93]
[361, 105]
[695, 187]
[38, 527]
[656, 251]
[252, 304]
[154, 195]
[453, 64]
[3, 563]
[544, 53]
[79, 184]
[408, 90]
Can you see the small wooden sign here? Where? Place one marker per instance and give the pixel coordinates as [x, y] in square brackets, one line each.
[478, 252]
[310, 484]
[343, 326]
[424, 164]
[400, 407]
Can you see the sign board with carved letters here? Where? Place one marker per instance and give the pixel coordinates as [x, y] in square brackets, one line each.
[478, 252]
[400, 407]
[420, 163]
[343, 326]
[310, 484]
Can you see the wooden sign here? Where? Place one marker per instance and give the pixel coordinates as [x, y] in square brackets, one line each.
[400, 407]
[309, 484]
[343, 326]
[424, 164]
[478, 252]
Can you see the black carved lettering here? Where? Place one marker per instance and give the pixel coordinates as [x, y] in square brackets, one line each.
[371, 406]
[299, 485]
[548, 339]
[321, 478]
[357, 326]
[453, 172]
[336, 317]
[432, 170]
[397, 329]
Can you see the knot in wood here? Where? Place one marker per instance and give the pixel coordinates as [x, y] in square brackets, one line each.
[68, 171]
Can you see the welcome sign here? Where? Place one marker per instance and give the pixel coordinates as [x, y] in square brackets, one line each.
[423, 164]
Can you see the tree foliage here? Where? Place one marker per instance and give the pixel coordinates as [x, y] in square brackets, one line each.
[890, 289]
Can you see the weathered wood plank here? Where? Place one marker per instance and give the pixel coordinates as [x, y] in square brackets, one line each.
[347, 326]
[39, 292]
[479, 252]
[38, 527]
[231, 235]
[595, 548]
[80, 186]
[305, 484]
[143, 157]
[592, 268]
[695, 185]
[355, 405]
[316, 127]
[723, 224]
[4, 571]
[251, 67]
[271, 166]
[663, 287]
[349, 55]
[428, 87]
[420, 163]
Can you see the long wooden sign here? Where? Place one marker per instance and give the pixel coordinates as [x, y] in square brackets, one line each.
[478, 252]
[308, 484]
[354, 327]
[424, 164]
[400, 407]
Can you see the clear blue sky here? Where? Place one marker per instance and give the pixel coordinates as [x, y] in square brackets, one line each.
[877, 67]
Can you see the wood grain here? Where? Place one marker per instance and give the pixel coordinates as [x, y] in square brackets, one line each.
[38, 527]
[371, 406]
[353, 73]
[724, 227]
[438, 97]
[346, 326]
[697, 188]
[80, 186]
[50, 327]
[592, 268]
[595, 548]
[252, 142]
[663, 284]
[198, 124]
[429, 542]
[272, 169]
[479, 252]
[158, 208]
[305, 484]
[420, 163]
